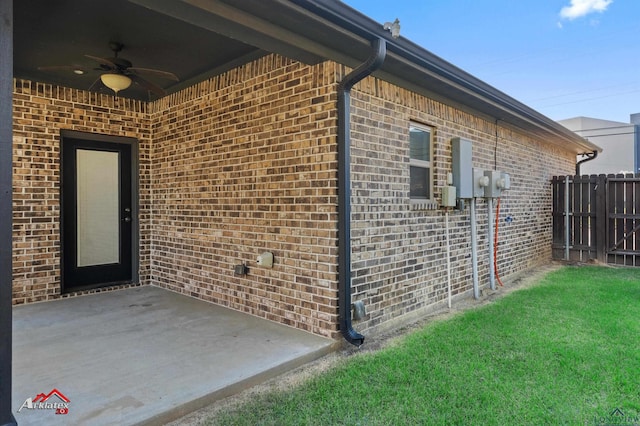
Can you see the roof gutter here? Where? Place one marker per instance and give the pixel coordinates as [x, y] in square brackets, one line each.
[469, 90]
[378, 54]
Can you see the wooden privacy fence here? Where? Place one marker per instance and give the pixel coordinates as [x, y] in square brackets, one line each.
[597, 217]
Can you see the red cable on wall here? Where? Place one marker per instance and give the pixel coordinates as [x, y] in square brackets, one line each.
[495, 245]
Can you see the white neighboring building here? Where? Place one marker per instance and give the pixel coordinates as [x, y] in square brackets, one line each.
[620, 143]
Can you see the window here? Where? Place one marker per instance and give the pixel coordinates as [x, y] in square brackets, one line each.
[420, 147]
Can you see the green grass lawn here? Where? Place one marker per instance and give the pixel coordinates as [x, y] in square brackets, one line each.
[566, 351]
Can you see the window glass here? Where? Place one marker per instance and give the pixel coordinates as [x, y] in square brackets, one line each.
[420, 162]
[420, 144]
[98, 210]
[420, 183]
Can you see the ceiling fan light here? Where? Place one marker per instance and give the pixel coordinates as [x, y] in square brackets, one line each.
[115, 82]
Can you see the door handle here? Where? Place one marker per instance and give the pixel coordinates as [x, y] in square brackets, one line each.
[127, 218]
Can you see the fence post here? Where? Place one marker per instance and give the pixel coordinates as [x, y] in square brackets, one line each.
[601, 219]
[566, 218]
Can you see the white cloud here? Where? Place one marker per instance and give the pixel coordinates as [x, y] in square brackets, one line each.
[580, 8]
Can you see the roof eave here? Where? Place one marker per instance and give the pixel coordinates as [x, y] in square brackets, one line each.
[455, 86]
[345, 37]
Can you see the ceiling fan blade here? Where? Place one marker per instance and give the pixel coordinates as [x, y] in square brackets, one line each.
[155, 73]
[147, 85]
[60, 68]
[103, 61]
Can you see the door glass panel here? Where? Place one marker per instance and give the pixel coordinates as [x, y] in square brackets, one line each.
[97, 207]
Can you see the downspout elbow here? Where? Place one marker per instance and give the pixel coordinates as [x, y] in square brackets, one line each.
[590, 156]
[375, 60]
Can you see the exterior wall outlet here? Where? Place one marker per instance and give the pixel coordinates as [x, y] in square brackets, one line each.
[240, 269]
[359, 311]
[265, 259]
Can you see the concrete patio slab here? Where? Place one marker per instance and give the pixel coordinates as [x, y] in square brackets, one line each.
[142, 355]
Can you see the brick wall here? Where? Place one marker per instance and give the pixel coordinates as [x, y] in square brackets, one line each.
[246, 163]
[240, 164]
[40, 111]
[399, 259]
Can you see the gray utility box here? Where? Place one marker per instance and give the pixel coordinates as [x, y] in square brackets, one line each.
[494, 188]
[448, 196]
[498, 183]
[462, 167]
[480, 183]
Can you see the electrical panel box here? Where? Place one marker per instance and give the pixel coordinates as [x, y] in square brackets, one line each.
[480, 182]
[462, 167]
[496, 184]
[449, 196]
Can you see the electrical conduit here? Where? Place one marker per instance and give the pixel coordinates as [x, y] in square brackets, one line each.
[490, 240]
[495, 245]
[446, 227]
[474, 250]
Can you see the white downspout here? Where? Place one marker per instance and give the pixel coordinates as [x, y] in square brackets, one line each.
[490, 219]
[446, 228]
[474, 250]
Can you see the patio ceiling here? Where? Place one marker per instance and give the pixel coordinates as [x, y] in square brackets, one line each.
[60, 33]
[196, 39]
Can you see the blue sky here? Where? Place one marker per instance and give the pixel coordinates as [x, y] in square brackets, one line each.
[564, 58]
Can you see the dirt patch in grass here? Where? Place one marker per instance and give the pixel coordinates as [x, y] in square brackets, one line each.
[374, 343]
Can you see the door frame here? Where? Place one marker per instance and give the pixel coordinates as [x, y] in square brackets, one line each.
[135, 195]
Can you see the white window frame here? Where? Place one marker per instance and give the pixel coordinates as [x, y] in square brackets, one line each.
[421, 163]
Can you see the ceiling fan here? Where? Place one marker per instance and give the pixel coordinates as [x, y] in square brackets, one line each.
[119, 73]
